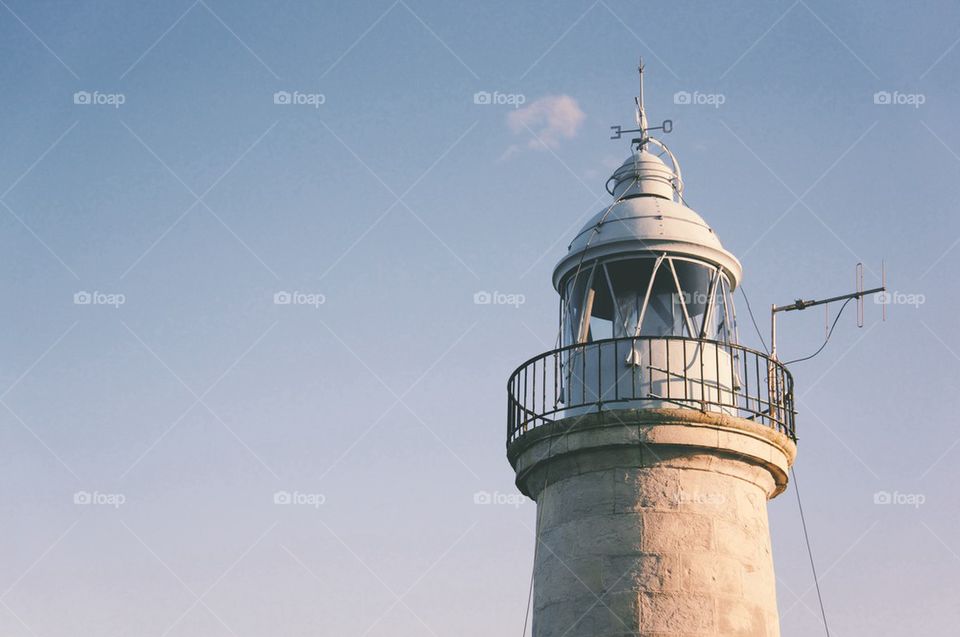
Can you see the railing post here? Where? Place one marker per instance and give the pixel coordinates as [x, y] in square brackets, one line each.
[703, 389]
[772, 390]
[600, 391]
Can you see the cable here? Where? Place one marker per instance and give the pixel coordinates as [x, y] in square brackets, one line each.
[827, 340]
[526, 616]
[806, 537]
[536, 538]
[760, 334]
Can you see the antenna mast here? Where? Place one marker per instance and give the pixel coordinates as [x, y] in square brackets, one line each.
[644, 129]
[801, 304]
[641, 113]
[643, 125]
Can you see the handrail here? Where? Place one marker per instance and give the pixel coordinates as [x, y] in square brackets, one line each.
[672, 371]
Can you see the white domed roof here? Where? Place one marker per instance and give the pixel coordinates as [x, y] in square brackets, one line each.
[643, 173]
[647, 225]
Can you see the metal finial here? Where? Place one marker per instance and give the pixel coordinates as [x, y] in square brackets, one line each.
[643, 124]
[641, 113]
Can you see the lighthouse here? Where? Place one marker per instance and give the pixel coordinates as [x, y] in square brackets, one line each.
[650, 438]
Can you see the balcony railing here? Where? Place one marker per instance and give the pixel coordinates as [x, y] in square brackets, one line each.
[650, 372]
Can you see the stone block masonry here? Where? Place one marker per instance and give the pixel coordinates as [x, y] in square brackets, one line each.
[653, 523]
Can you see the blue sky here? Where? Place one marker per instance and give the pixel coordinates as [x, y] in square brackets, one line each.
[394, 201]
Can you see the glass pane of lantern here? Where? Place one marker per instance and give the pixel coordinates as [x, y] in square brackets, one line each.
[604, 309]
[716, 310]
[718, 322]
[629, 279]
[664, 314]
[722, 323]
[730, 318]
[576, 296]
[694, 279]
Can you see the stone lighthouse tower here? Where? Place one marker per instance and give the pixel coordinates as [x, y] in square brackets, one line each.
[651, 439]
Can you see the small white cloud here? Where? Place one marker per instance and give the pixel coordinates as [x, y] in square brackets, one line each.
[611, 162]
[549, 120]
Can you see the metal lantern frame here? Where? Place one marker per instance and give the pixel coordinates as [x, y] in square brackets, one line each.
[715, 319]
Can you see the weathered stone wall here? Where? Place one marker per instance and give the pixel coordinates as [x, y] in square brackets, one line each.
[665, 538]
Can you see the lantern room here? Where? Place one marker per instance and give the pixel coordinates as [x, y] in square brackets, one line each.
[647, 265]
[646, 313]
[647, 318]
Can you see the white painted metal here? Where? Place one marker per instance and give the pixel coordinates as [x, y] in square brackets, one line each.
[669, 372]
[646, 226]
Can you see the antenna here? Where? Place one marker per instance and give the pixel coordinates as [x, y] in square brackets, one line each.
[643, 126]
[859, 281]
[883, 283]
[801, 304]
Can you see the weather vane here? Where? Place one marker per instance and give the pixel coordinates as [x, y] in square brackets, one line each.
[641, 118]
